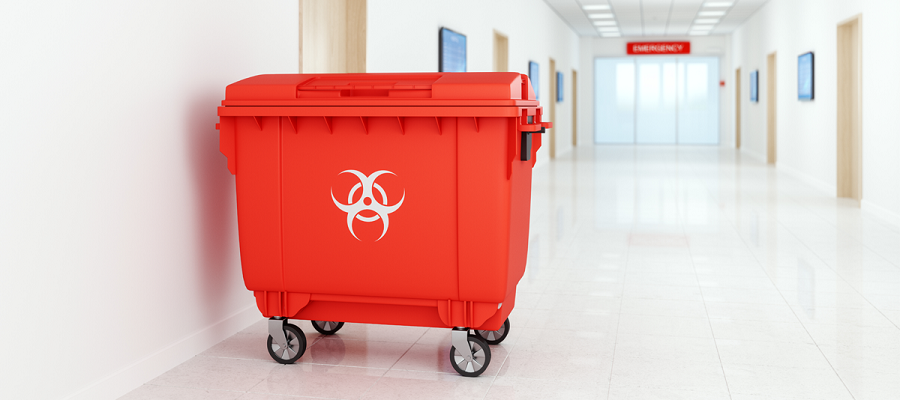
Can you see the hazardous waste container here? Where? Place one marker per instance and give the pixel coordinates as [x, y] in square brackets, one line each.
[383, 198]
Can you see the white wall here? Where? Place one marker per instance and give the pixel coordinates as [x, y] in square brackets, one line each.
[118, 240]
[403, 37]
[708, 46]
[807, 131]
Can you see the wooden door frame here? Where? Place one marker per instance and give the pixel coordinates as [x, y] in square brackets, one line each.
[574, 108]
[332, 36]
[501, 52]
[551, 101]
[737, 108]
[772, 108]
[849, 109]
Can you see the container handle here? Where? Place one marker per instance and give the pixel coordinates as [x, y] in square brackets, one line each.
[527, 131]
[226, 142]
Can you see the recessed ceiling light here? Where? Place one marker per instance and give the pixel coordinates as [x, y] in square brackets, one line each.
[711, 13]
[608, 29]
[717, 4]
[698, 33]
[702, 28]
[706, 21]
[600, 16]
[604, 23]
[611, 34]
[595, 7]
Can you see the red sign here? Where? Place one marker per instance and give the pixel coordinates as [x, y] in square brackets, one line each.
[659, 47]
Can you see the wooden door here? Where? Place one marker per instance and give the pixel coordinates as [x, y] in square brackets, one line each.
[849, 109]
[501, 52]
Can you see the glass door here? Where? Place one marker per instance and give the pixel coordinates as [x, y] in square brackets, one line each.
[698, 100]
[614, 100]
[655, 115]
[656, 100]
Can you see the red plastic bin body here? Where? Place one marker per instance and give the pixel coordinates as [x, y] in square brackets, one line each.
[383, 198]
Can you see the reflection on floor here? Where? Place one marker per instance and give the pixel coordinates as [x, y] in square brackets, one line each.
[654, 273]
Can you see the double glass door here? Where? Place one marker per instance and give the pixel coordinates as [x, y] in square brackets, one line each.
[656, 100]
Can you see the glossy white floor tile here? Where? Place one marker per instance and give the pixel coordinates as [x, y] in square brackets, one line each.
[653, 273]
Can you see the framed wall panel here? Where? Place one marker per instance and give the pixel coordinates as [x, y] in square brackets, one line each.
[754, 86]
[559, 87]
[451, 51]
[806, 76]
[534, 72]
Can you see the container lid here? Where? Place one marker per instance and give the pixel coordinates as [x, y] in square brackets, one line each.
[413, 89]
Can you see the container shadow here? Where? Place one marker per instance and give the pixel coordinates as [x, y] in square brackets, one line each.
[218, 257]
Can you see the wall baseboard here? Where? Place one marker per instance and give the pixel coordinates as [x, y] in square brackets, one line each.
[133, 376]
[891, 217]
[753, 155]
[823, 187]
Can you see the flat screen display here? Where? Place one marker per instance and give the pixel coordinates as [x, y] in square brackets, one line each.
[533, 75]
[559, 86]
[452, 52]
[805, 77]
[754, 86]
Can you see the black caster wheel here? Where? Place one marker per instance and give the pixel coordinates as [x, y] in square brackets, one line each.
[481, 358]
[296, 345]
[327, 327]
[494, 337]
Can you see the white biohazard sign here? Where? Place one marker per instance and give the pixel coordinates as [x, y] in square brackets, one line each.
[367, 201]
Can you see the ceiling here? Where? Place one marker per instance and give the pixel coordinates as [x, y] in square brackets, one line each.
[614, 18]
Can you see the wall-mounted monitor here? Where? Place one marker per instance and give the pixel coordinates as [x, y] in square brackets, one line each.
[451, 51]
[806, 77]
[754, 86]
[533, 72]
[559, 86]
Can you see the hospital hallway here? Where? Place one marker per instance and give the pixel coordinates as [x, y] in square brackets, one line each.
[654, 272]
[713, 212]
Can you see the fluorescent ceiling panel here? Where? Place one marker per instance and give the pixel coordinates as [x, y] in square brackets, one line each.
[621, 6]
[655, 17]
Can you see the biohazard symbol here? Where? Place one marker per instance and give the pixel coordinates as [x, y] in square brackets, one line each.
[367, 201]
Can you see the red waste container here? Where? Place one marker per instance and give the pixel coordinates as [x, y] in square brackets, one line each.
[383, 198]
